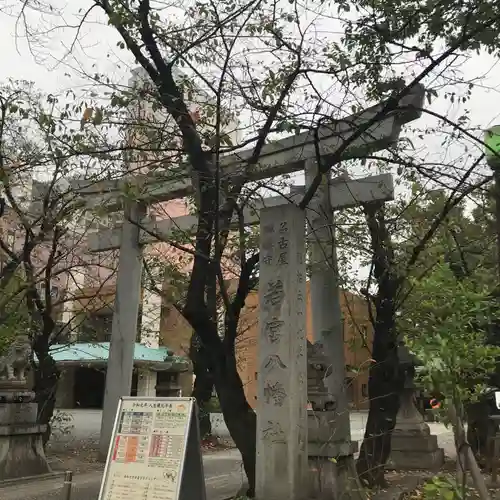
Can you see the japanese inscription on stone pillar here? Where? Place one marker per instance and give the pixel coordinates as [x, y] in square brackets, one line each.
[282, 392]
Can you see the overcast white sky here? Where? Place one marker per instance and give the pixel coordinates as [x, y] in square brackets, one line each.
[18, 62]
[96, 40]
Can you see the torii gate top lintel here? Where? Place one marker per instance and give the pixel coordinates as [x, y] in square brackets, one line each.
[286, 155]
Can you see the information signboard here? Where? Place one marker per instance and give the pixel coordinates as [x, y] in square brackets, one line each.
[154, 448]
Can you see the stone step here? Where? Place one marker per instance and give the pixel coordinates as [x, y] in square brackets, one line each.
[414, 443]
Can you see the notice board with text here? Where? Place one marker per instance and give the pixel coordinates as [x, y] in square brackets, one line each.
[154, 453]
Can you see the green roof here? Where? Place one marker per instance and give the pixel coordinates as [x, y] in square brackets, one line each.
[98, 352]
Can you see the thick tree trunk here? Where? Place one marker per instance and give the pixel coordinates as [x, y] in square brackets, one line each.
[46, 379]
[386, 379]
[203, 384]
[202, 392]
[239, 416]
[385, 383]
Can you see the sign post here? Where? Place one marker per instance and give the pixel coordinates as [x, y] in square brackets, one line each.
[155, 447]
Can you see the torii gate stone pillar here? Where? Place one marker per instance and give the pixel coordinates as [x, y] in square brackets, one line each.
[287, 155]
[329, 428]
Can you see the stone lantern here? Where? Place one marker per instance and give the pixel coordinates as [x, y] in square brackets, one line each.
[412, 444]
[331, 476]
[21, 448]
[322, 407]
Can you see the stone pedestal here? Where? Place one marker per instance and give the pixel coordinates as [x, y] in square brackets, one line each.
[146, 383]
[322, 441]
[413, 446]
[21, 449]
[334, 479]
[332, 472]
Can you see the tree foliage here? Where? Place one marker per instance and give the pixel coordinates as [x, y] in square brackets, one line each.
[14, 317]
[446, 324]
[43, 153]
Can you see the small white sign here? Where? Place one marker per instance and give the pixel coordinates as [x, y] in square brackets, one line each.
[497, 399]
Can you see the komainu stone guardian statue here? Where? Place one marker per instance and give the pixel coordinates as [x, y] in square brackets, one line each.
[21, 446]
[16, 361]
[328, 479]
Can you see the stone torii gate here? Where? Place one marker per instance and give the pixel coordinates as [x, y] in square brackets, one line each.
[282, 428]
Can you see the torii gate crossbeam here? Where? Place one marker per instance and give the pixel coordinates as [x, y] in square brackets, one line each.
[284, 156]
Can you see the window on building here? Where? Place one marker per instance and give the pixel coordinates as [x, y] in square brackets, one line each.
[364, 390]
[349, 387]
[62, 332]
[54, 291]
[96, 328]
[139, 325]
[221, 313]
[364, 332]
[94, 222]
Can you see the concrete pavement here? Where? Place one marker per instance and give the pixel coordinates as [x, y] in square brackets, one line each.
[223, 470]
[223, 478]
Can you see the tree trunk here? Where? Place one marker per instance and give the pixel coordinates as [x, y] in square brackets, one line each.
[238, 415]
[240, 418]
[46, 380]
[385, 383]
[386, 379]
[202, 392]
[203, 384]
[465, 457]
[480, 427]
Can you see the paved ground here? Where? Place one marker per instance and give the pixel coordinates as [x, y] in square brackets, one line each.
[223, 471]
[223, 477]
